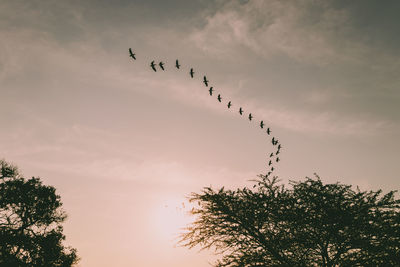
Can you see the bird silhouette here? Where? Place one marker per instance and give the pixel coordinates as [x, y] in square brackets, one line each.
[131, 54]
[272, 156]
[153, 66]
[205, 81]
[161, 64]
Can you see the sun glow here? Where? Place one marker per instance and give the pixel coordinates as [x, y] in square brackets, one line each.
[171, 216]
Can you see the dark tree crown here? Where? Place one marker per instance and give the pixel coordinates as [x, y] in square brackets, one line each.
[31, 233]
[308, 224]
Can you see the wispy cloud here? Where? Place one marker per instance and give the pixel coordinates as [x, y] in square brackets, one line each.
[312, 32]
[320, 123]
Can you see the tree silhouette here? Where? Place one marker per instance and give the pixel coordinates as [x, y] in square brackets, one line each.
[307, 224]
[30, 222]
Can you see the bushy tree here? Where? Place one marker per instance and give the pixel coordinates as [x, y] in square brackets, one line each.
[31, 233]
[308, 223]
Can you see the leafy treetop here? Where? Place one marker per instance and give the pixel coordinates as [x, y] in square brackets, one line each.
[308, 224]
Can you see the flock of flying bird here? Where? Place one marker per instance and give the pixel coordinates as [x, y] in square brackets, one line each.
[273, 157]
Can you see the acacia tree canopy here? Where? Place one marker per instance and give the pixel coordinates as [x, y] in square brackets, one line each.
[31, 233]
[308, 223]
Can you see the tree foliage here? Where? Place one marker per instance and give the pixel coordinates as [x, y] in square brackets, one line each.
[308, 223]
[31, 233]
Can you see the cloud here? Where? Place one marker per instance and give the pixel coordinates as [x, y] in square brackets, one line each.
[322, 39]
[320, 123]
[307, 31]
[81, 151]
[311, 32]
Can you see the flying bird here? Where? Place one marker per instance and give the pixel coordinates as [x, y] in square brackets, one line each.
[161, 65]
[250, 117]
[131, 54]
[268, 131]
[219, 98]
[229, 104]
[262, 124]
[153, 66]
[191, 72]
[205, 81]
[211, 90]
[240, 111]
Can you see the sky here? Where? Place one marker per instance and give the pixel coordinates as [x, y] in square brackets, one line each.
[124, 146]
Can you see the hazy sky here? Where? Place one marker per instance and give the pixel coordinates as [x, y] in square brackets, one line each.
[124, 145]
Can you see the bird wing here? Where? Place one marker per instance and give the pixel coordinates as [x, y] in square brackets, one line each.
[153, 66]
